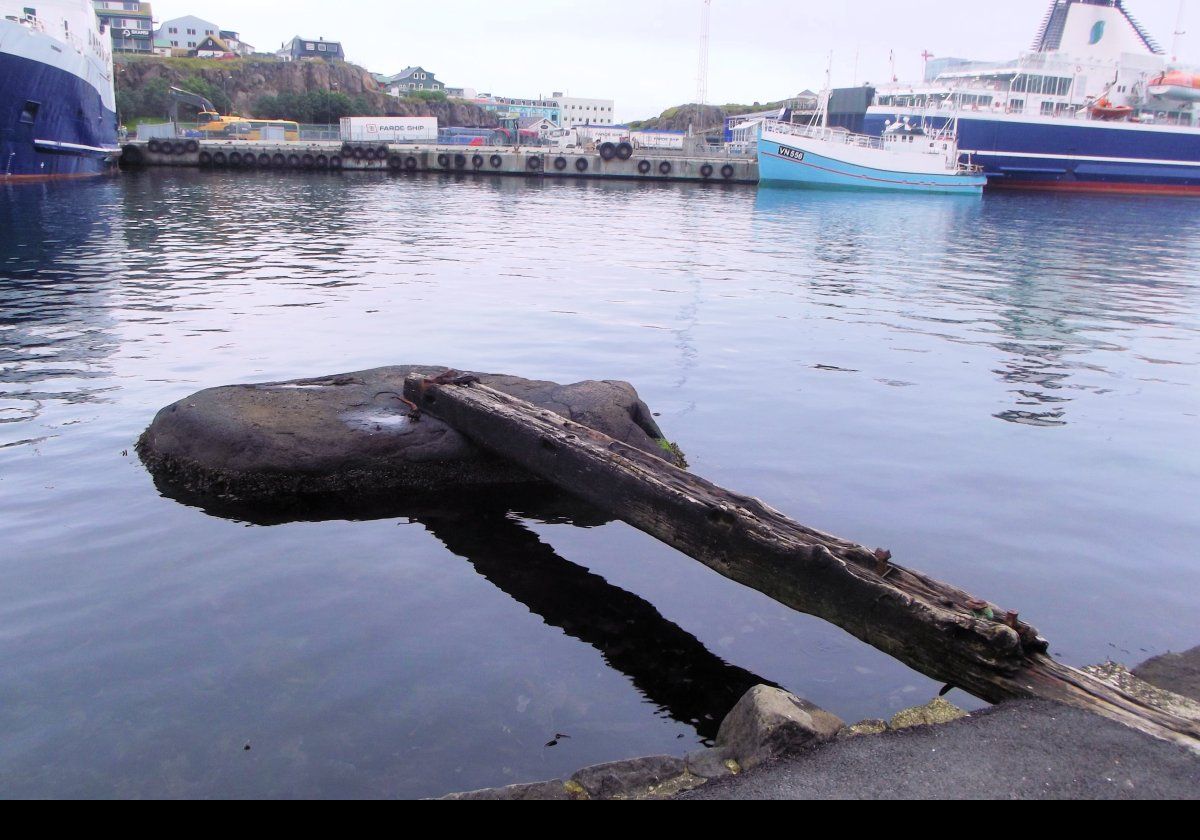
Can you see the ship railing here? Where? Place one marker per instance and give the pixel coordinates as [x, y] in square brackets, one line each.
[30, 21]
[825, 134]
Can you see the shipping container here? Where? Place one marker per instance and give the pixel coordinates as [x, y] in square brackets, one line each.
[390, 129]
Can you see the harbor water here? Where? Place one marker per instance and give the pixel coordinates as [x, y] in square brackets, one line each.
[1004, 391]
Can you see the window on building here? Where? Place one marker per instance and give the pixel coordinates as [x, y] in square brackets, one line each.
[30, 111]
[320, 48]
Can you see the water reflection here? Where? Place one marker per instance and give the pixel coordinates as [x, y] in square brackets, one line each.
[670, 667]
[59, 257]
[1051, 300]
[773, 332]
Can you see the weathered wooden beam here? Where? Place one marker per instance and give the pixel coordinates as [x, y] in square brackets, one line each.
[931, 626]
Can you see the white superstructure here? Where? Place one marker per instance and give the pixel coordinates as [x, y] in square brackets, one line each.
[62, 34]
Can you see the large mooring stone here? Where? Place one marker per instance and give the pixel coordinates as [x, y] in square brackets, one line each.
[353, 432]
[769, 722]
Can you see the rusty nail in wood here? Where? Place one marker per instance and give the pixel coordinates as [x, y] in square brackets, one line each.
[1011, 618]
[976, 605]
[882, 556]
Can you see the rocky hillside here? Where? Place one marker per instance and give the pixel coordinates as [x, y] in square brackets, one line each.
[244, 85]
[710, 118]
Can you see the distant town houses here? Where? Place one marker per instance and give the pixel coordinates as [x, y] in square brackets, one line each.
[309, 49]
[410, 79]
[131, 24]
[186, 32]
[133, 31]
[564, 111]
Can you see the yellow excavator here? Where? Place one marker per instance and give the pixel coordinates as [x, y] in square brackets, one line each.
[214, 126]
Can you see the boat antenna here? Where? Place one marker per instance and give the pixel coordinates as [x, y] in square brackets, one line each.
[826, 93]
[1179, 32]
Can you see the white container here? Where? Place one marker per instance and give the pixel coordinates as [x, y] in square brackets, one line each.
[390, 129]
[657, 140]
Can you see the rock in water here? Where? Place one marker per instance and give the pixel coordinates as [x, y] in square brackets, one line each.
[352, 433]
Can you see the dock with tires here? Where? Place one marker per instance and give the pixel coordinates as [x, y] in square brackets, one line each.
[610, 160]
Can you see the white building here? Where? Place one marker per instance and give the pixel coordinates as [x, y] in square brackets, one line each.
[186, 32]
[575, 111]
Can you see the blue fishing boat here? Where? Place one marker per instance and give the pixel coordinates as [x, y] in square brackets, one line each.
[907, 158]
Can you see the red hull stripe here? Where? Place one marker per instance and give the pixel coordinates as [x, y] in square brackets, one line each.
[1095, 187]
[30, 179]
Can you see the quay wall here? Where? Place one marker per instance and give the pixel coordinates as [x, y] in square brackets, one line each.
[644, 164]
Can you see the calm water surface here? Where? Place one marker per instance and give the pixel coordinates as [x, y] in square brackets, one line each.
[1005, 393]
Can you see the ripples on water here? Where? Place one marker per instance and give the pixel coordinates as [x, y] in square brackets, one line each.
[1003, 392]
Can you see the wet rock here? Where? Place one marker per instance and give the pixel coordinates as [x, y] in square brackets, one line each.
[1178, 673]
[352, 432]
[711, 764]
[931, 714]
[555, 790]
[1152, 695]
[769, 722]
[636, 778]
[865, 727]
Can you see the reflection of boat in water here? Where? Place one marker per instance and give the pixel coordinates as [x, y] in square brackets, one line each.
[907, 158]
[57, 103]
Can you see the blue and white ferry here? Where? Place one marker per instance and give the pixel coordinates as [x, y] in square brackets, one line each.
[57, 101]
[1096, 106]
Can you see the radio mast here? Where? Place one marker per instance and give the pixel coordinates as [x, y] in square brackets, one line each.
[1179, 32]
[702, 71]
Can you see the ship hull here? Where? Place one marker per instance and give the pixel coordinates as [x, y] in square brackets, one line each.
[71, 133]
[1072, 155]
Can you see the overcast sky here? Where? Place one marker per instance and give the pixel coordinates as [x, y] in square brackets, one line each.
[645, 54]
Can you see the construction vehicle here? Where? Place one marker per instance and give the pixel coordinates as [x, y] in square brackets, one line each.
[212, 125]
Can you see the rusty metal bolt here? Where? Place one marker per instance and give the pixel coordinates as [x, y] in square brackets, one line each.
[1012, 619]
[882, 556]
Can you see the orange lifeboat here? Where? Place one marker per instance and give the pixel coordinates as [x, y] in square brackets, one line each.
[1177, 85]
[1103, 109]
